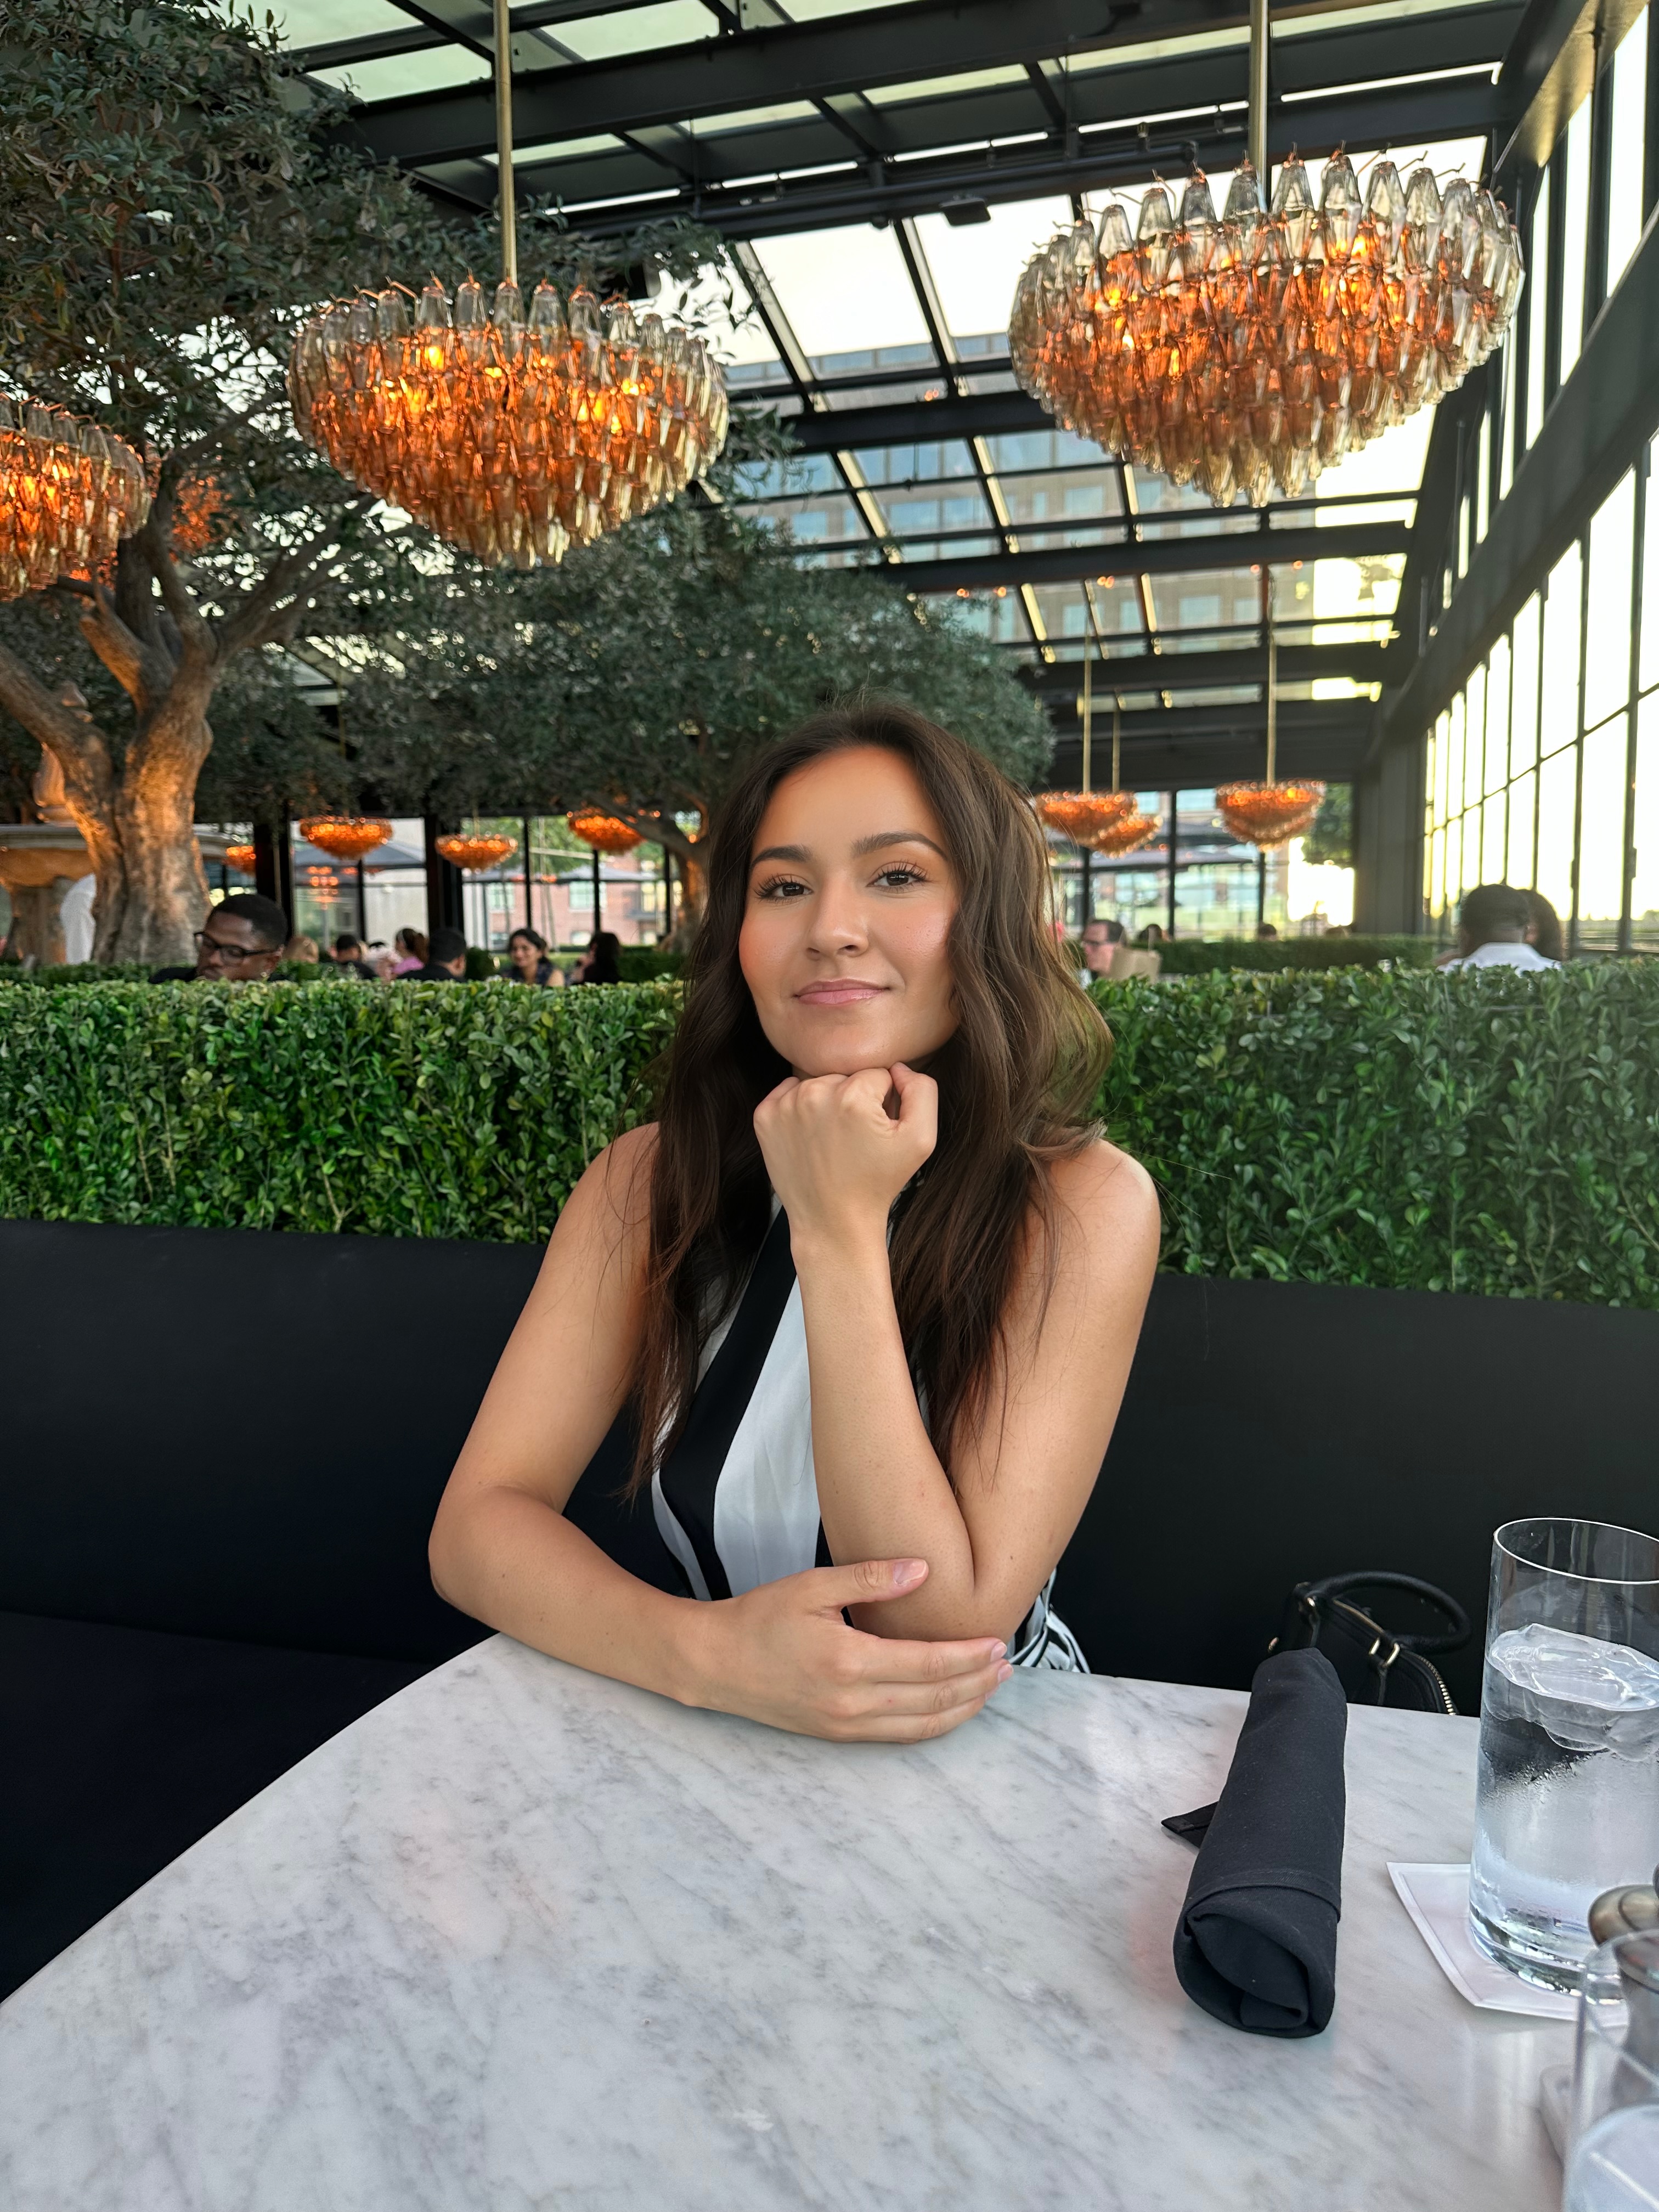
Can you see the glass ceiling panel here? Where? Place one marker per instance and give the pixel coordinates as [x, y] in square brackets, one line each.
[815, 11]
[750, 118]
[941, 88]
[843, 286]
[911, 514]
[1042, 449]
[914, 465]
[561, 149]
[318, 22]
[826, 526]
[1075, 497]
[976, 266]
[395, 76]
[634, 30]
[1213, 600]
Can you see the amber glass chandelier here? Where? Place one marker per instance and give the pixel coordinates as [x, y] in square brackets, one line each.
[345, 836]
[1248, 350]
[1082, 816]
[68, 492]
[476, 850]
[511, 433]
[605, 833]
[244, 857]
[1106, 822]
[1269, 813]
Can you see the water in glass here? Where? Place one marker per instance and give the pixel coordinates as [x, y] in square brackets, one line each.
[1568, 1793]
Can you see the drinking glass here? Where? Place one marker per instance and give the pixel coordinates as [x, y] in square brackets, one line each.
[1612, 2146]
[1567, 1798]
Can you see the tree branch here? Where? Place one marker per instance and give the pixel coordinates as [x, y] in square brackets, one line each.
[138, 667]
[74, 737]
[251, 624]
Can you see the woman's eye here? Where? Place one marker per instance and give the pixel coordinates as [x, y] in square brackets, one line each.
[900, 874]
[781, 887]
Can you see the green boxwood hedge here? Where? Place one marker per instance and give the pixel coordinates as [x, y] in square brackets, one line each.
[1273, 955]
[1492, 1131]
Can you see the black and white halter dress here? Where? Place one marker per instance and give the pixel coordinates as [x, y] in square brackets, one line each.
[736, 1499]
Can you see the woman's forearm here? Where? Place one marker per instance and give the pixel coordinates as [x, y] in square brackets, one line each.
[509, 1559]
[882, 1492]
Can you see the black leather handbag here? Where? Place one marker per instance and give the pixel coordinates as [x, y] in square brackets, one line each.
[1376, 1666]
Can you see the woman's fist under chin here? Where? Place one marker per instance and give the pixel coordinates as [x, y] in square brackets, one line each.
[839, 1149]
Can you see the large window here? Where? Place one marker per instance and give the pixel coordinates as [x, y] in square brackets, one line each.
[1531, 776]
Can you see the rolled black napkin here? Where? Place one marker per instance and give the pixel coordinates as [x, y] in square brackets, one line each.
[1256, 1942]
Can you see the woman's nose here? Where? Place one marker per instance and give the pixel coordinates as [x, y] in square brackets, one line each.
[838, 920]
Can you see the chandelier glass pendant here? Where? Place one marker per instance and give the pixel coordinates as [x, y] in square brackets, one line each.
[476, 850]
[1250, 351]
[345, 836]
[1268, 813]
[605, 833]
[512, 434]
[242, 857]
[68, 492]
[1108, 822]
[1084, 815]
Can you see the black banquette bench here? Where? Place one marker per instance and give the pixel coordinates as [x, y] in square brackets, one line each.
[222, 1452]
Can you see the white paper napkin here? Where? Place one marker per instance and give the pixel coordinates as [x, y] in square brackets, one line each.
[1437, 1900]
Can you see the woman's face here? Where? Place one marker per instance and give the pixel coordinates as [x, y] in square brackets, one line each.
[524, 953]
[846, 929]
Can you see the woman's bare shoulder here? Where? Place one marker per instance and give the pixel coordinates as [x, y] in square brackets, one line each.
[1107, 1221]
[614, 1191]
[1103, 1184]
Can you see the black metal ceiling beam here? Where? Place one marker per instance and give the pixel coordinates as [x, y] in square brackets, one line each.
[1060, 681]
[1595, 427]
[924, 40]
[1167, 746]
[1462, 107]
[1170, 557]
[971, 415]
[1550, 68]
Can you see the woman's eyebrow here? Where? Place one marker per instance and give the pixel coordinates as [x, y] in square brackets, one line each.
[886, 837]
[783, 853]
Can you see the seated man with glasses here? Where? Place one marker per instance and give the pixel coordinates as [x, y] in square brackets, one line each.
[241, 942]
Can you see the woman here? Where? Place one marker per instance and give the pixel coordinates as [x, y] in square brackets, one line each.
[880, 1030]
[599, 963]
[410, 945]
[526, 953]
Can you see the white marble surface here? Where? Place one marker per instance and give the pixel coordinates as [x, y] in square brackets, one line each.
[524, 1938]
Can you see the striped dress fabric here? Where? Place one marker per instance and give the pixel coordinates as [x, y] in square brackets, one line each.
[737, 1500]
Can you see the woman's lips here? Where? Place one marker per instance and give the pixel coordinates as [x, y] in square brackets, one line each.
[846, 994]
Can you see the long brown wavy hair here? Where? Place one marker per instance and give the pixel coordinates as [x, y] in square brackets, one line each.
[1016, 1082]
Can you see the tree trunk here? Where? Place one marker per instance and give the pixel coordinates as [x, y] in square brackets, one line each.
[152, 893]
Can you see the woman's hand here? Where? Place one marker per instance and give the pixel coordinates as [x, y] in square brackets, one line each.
[782, 1654]
[837, 1157]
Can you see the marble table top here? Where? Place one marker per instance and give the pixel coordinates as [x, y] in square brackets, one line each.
[524, 1938]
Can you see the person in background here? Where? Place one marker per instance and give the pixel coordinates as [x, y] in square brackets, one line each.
[1491, 930]
[410, 947]
[241, 942]
[599, 963]
[1544, 930]
[1101, 939]
[526, 951]
[1265, 930]
[347, 958]
[446, 960]
[1151, 936]
[381, 959]
[302, 949]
